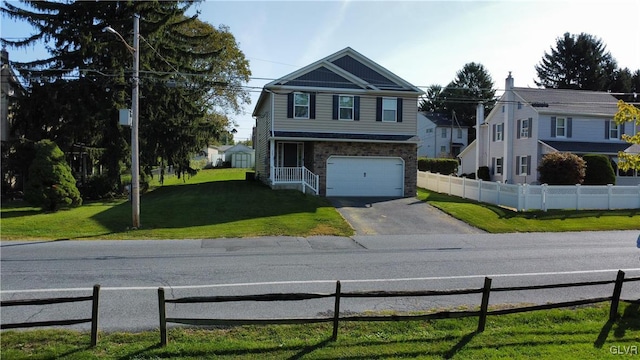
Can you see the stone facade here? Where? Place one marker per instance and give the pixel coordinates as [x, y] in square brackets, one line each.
[317, 153]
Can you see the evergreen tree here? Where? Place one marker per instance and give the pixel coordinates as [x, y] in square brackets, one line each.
[472, 85]
[75, 94]
[51, 184]
[578, 62]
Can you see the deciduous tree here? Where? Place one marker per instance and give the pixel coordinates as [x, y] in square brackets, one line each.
[628, 113]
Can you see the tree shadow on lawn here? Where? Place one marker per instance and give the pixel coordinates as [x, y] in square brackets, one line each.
[211, 203]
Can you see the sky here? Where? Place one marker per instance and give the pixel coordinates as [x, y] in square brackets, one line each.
[423, 42]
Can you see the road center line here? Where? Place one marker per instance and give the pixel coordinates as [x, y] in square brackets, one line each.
[141, 288]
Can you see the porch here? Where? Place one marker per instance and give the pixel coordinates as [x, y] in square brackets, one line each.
[289, 170]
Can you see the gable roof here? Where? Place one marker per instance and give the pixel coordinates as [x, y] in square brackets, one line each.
[344, 71]
[346, 68]
[555, 101]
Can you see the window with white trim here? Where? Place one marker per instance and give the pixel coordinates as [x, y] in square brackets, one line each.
[444, 133]
[429, 130]
[345, 107]
[523, 166]
[561, 127]
[498, 166]
[524, 128]
[459, 133]
[389, 109]
[301, 103]
[499, 132]
[614, 130]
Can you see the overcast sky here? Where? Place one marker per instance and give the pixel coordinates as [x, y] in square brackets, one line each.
[424, 42]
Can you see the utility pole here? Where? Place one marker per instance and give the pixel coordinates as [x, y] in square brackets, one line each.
[135, 166]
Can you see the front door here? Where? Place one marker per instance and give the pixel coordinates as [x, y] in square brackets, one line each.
[290, 154]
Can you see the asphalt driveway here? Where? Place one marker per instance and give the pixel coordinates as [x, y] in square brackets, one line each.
[404, 216]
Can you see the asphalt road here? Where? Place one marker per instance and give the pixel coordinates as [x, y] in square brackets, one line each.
[130, 272]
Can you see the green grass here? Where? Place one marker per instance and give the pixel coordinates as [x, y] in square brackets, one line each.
[496, 219]
[220, 203]
[581, 333]
[212, 204]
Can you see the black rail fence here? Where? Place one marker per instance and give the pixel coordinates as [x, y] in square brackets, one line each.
[94, 298]
[482, 313]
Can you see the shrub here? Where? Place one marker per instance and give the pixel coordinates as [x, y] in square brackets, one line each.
[484, 173]
[51, 184]
[561, 168]
[599, 170]
[440, 166]
[98, 187]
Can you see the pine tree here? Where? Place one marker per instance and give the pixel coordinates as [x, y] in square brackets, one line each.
[75, 94]
[578, 62]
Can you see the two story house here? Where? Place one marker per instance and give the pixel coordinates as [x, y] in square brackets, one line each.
[341, 126]
[440, 136]
[528, 123]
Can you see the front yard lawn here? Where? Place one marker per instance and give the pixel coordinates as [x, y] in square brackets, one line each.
[215, 203]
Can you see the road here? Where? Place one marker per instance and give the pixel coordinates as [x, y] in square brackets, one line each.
[130, 272]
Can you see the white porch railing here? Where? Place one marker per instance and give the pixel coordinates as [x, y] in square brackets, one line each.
[534, 197]
[296, 175]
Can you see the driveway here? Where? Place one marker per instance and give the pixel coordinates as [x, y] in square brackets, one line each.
[405, 216]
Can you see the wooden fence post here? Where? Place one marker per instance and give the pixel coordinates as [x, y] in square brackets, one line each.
[615, 299]
[163, 317]
[336, 312]
[94, 315]
[486, 291]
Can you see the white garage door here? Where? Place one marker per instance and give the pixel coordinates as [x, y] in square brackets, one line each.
[365, 176]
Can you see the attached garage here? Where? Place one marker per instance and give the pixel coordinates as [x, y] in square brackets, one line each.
[365, 176]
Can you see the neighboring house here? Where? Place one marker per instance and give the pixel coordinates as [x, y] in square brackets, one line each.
[342, 126]
[210, 154]
[528, 123]
[440, 136]
[10, 90]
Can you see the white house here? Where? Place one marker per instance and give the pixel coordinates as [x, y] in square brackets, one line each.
[528, 123]
[440, 136]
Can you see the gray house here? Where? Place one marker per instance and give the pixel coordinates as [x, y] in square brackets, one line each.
[342, 126]
[528, 123]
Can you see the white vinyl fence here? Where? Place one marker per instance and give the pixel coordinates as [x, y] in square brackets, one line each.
[523, 197]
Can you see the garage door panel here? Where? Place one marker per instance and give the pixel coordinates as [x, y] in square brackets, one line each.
[365, 176]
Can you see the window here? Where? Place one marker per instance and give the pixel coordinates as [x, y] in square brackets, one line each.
[614, 130]
[443, 149]
[519, 105]
[444, 133]
[459, 133]
[389, 109]
[499, 132]
[523, 165]
[498, 165]
[346, 107]
[301, 105]
[524, 128]
[561, 127]
[430, 131]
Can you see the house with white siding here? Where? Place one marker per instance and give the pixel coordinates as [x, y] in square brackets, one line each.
[440, 136]
[341, 126]
[528, 123]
